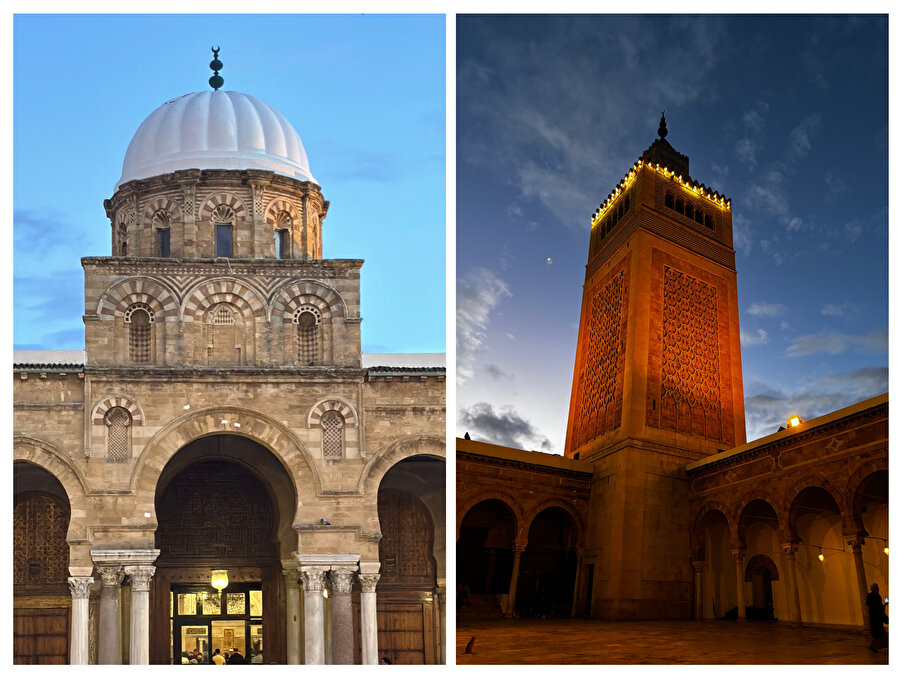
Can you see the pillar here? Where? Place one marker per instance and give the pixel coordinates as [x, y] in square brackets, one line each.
[292, 614]
[368, 616]
[862, 588]
[81, 593]
[342, 615]
[108, 638]
[698, 589]
[314, 612]
[441, 595]
[577, 585]
[738, 555]
[790, 552]
[513, 581]
[140, 575]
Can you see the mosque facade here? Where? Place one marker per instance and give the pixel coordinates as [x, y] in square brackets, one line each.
[659, 508]
[221, 468]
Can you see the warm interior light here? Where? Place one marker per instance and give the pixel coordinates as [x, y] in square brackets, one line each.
[886, 550]
[325, 593]
[821, 557]
[218, 579]
[794, 421]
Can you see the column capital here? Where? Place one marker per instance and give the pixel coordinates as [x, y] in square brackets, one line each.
[342, 578]
[111, 575]
[789, 549]
[291, 575]
[313, 578]
[368, 582]
[519, 548]
[697, 565]
[738, 554]
[140, 576]
[856, 543]
[80, 587]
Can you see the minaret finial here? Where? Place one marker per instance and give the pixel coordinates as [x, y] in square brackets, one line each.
[215, 65]
[662, 131]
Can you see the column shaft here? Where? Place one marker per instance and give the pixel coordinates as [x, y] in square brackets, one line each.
[79, 648]
[342, 615]
[790, 551]
[698, 590]
[108, 633]
[861, 579]
[739, 572]
[314, 613]
[513, 582]
[368, 618]
[139, 650]
[292, 615]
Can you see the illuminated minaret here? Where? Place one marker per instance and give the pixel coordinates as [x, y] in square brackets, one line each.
[657, 380]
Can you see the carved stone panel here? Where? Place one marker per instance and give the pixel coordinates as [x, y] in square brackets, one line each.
[406, 547]
[40, 551]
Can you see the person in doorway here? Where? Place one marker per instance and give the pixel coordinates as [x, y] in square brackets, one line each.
[218, 659]
[877, 618]
[236, 658]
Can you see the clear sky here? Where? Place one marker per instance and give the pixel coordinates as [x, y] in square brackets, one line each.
[786, 115]
[365, 93]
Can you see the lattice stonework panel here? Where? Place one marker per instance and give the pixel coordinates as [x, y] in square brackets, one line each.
[332, 435]
[599, 400]
[40, 552]
[117, 422]
[690, 387]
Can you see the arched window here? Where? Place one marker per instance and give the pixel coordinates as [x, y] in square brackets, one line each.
[223, 218]
[123, 238]
[118, 441]
[163, 239]
[332, 435]
[139, 317]
[223, 333]
[670, 200]
[308, 320]
[283, 226]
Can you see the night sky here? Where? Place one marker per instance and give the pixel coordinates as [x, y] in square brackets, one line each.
[785, 115]
[366, 94]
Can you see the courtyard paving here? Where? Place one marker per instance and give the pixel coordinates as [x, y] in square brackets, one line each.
[585, 641]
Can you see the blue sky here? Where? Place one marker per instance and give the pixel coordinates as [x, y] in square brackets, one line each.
[786, 115]
[365, 93]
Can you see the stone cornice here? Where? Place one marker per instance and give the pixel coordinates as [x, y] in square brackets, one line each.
[135, 266]
[524, 466]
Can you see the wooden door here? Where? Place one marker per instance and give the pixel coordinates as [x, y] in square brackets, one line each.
[41, 636]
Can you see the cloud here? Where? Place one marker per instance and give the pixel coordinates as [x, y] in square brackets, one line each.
[497, 372]
[837, 343]
[503, 427]
[841, 310]
[742, 234]
[767, 408]
[769, 309]
[749, 339]
[477, 294]
[746, 152]
[800, 136]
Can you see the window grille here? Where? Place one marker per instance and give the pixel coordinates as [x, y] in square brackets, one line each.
[307, 320]
[118, 420]
[222, 317]
[332, 435]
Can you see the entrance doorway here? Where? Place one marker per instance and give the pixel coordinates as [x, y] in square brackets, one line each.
[204, 621]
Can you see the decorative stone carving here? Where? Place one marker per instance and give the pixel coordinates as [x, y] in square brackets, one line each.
[80, 587]
[342, 579]
[368, 582]
[313, 578]
[140, 576]
[111, 575]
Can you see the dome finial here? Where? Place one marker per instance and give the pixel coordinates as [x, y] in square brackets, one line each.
[662, 131]
[215, 65]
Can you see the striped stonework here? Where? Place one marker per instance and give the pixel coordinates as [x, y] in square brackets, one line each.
[117, 401]
[217, 200]
[224, 289]
[322, 437]
[287, 300]
[279, 206]
[167, 206]
[118, 298]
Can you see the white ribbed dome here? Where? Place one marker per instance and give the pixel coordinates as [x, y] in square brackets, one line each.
[215, 130]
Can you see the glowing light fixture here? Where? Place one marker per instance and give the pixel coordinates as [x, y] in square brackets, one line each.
[218, 579]
[886, 550]
[794, 421]
[821, 556]
[237, 425]
[325, 593]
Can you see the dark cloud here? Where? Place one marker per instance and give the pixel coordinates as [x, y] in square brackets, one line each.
[768, 408]
[497, 372]
[477, 293]
[502, 427]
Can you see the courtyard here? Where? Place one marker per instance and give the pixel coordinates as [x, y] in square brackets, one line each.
[587, 641]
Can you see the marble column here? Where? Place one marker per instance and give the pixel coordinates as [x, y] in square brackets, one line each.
[108, 634]
[342, 615]
[292, 614]
[698, 589]
[79, 636]
[314, 612]
[738, 555]
[513, 581]
[140, 576]
[862, 588]
[368, 618]
[790, 552]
